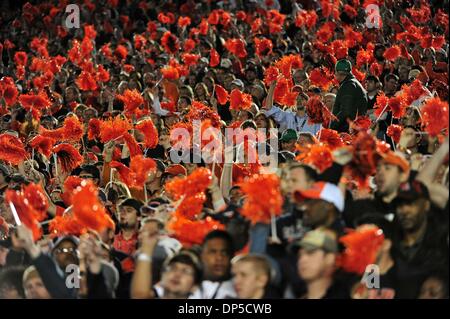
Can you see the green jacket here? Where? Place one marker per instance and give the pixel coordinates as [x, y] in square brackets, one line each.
[351, 100]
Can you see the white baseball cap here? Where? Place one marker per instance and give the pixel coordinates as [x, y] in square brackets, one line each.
[325, 191]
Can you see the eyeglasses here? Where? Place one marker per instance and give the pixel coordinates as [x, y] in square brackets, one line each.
[65, 250]
[181, 270]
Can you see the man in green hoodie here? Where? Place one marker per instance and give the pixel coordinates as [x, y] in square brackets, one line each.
[351, 98]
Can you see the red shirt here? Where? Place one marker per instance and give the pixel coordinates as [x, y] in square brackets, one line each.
[127, 246]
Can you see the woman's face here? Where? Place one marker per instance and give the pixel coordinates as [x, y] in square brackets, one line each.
[209, 85]
[261, 121]
[182, 105]
[200, 93]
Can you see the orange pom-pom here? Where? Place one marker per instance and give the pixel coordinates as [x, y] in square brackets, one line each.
[35, 103]
[240, 100]
[94, 128]
[395, 132]
[317, 155]
[190, 232]
[435, 116]
[27, 215]
[197, 182]
[87, 209]
[11, 149]
[270, 75]
[330, 137]
[170, 42]
[43, 144]
[132, 145]
[214, 58]
[321, 77]
[263, 198]
[317, 112]
[381, 104]
[70, 184]
[68, 157]
[221, 94]
[73, 129]
[170, 73]
[392, 53]
[263, 46]
[131, 100]
[102, 74]
[361, 249]
[148, 128]
[8, 90]
[361, 123]
[201, 112]
[236, 47]
[190, 59]
[141, 167]
[181, 135]
[113, 129]
[121, 52]
[397, 105]
[86, 82]
[184, 22]
[37, 199]
[189, 45]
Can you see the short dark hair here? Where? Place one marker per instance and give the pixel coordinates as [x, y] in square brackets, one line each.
[373, 78]
[248, 124]
[131, 202]
[223, 235]
[89, 168]
[390, 76]
[11, 277]
[188, 259]
[310, 172]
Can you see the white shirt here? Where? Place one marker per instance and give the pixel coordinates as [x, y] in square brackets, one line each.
[219, 290]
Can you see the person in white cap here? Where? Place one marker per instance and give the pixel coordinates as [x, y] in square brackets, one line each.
[322, 206]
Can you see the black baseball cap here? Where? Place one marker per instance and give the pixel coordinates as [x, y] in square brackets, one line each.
[410, 191]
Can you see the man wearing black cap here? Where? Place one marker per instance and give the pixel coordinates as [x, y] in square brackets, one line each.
[422, 242]
[128, 211]
[351, 98]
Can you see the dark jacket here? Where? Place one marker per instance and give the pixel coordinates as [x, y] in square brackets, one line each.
[351, 100]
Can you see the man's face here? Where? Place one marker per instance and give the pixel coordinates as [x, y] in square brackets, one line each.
[391, 85]
[339, 76]
[216, 259]
[388, 178]
[403, 73]
[66, 254]
[235, 195]
[178, 279]
[316, 212]
[288, 146]
[34, 289]
[297, 179]
[88, 175]
[432, 288]
[247, 280]
[128, 217]
[250, 75]
[3, 253]
[329, 102]
[55, 196]
[88, 115]
[371, 86]
[412, 215]
[313, 264]
[298, 77]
